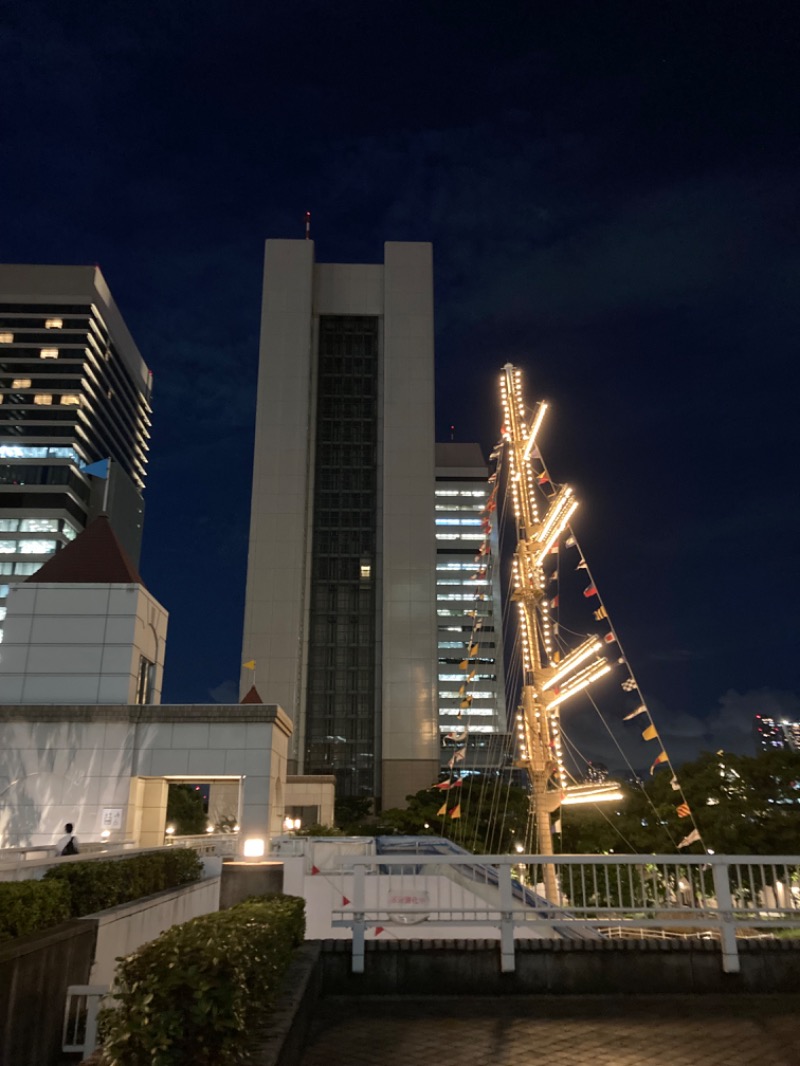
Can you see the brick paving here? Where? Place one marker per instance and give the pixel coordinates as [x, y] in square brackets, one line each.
[556, 1031]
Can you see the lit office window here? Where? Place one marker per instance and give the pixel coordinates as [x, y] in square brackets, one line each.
[9, 525]
[26, 568]
[48, 353]
[69, 531]
[43, 399]
[6, 338]
[21, 383]
[70, 399]
[39, 525]
[36, 547]
[8, 547]
[53, 323]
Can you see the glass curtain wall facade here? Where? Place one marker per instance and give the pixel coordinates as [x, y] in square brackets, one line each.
[68, 397]
[468, 590]
[341, 712]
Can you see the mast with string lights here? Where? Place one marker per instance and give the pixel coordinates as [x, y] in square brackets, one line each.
[548, 680]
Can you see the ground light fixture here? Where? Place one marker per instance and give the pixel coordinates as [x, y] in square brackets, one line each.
[253, 848]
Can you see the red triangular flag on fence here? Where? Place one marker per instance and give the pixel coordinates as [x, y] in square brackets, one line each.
[378, 930]
[314, 870]
[345, 901]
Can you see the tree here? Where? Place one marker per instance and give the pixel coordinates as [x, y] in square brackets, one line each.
[493, 814]
[185, 810]
[742, 805]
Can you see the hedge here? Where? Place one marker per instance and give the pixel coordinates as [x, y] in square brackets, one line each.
[29, 906]
[194, 994]
[96, 886]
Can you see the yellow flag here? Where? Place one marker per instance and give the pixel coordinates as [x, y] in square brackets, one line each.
[443, 808]
[250, 666]
[456, 811]
[649, 733]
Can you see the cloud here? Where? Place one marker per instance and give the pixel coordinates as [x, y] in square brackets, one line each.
[727, 726]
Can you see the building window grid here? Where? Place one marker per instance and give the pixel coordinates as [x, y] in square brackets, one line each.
[340, 719]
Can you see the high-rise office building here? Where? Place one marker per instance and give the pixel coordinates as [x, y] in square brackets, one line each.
[340, 602]
[468, 607]
[770, 734]
[74, 390]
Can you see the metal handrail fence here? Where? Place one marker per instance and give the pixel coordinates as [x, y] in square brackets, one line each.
[717, 893]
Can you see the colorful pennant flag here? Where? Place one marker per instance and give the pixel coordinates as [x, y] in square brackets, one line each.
[570, 542]
[250, 666]
[456, 811]
[590, 591]
[609, 638]
[582, 565]
[600, 614]
[554, 601]
[674, 784]
[543, 479]
[641, 709]
[649, 733]
[660, 758]
[683, 810]
[443, 786]
[690, 839]
[442, 809]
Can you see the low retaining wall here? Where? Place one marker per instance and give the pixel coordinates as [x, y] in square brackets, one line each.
[121, 930]
[35, 972]
[560, 967]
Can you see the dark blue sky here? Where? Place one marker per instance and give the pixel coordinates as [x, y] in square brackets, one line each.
[611, 190]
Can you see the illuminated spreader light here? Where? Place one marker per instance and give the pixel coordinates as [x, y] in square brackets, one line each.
[537, 422]
[572, 661]
[581, 681]
[610, 793]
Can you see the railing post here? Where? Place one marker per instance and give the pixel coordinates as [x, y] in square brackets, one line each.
[359, 927]
[507, 961]
[722, 890]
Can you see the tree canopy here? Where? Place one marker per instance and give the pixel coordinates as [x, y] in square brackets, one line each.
[742, 805]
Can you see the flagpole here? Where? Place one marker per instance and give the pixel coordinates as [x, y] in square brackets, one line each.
[105, 490]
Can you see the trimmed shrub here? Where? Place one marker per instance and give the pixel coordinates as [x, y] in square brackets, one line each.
[29, 906]
[192, 995]
[96, 886]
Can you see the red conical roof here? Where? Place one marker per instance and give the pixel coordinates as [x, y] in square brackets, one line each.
[252, 696]
[95, 557]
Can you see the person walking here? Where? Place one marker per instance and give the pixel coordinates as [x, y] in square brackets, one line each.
[68, 845]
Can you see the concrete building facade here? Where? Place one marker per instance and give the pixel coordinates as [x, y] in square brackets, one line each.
[340, 599]
[74, 390]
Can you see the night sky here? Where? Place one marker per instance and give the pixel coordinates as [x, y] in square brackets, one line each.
[611, 191]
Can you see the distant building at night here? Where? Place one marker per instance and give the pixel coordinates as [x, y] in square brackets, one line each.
[771, 734]
[468, 591]
[74, 390]
[340, 612]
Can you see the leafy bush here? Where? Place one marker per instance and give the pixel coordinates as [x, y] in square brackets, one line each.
[95, 886]
[191, 996]
[28, 906]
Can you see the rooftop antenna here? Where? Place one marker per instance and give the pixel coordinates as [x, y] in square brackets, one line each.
[452, 433]
[308, 225]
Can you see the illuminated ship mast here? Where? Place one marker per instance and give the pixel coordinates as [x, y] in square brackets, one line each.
[547, 681]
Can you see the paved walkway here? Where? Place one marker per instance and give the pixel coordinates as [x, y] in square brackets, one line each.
[556, 1031]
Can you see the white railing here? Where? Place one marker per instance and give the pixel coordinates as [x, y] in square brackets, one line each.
[80, 1018]
[723, 895]
[208, 843]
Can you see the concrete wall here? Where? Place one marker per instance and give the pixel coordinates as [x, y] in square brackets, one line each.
[410, 738]
[276, 570]
[312, 790]
[559, 967]
[123, 929]
[80, 644]
[35, 972]
[72, 764]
